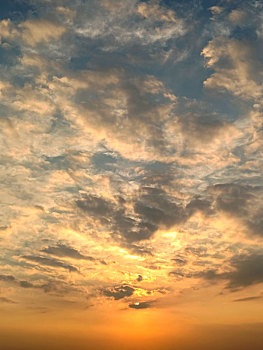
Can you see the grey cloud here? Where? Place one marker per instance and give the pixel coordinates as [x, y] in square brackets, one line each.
[142, 115]
[153, 209]
[177, 273]
[158, 209]
[248, 299]
[96, 206]
[118, 292]
[226, 56]
[139, 250]
[198, 204]
[231, 198]
[139, 278]
[240, 201]
[200, 251]
[124, 25]
[130, 229]
[255, 224]
[50, 262]
[62, 250]
[179, 261]
[7, 278]
[25, 284]
[141, 305]
[200, 127]
[6, 300]
[247, 271]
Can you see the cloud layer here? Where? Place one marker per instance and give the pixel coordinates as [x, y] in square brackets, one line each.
[131, 152]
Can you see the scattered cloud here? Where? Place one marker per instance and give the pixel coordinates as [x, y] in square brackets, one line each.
[141, 305]
[131, 151]
[50, 262]
[62, 250]
[118, 292]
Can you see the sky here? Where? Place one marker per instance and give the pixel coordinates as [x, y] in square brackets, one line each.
[131, 164]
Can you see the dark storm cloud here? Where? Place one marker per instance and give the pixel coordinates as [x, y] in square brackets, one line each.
[62, 250]
[50, 262]
[118, 292]
[141, 305]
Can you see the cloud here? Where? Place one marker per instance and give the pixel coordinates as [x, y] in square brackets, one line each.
[141, 305]
[7, 278]
[247, 270]
[153, 10]
[153, 209]
[25, 284]
[96, 206]
[216, 10]
[112, 150]
[50, 262]
[179, 261]
[62, 250]
[248, 299]
[39, 31]
[6, 300]
[242, 202]
[136, 23]
[139, 278]
[237, 16]
[7, 30]
[235, 64]
[32, 31]
[118, 292]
